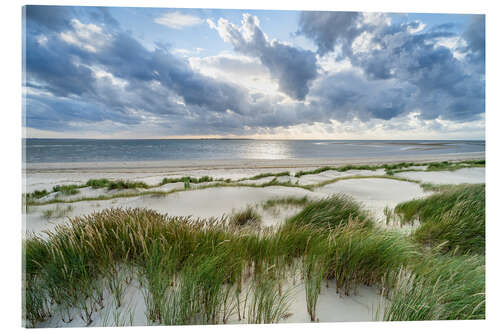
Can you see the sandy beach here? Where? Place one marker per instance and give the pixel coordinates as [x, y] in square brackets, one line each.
[374, 193]
[37, 175]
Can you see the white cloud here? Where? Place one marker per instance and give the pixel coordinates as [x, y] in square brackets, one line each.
[42, 40]
[375, 19]
[185, 52]
[102, 74]
[177, 20]
[211, 24]
[89, 37]
[238, 69]
[328, 63]
[407, 126]
[456, 44]
[364, 43]
[421, 26]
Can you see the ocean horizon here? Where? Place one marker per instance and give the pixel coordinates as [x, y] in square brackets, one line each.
[120, 150]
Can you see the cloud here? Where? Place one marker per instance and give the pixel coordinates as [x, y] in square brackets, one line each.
[328, 29]
[291, 67]
[474, 35]
[41, 18]
[86, 36]
[178, 20]
[83, 71]
[241, 70]
[106, 83]
[441, 84]
[347, 95]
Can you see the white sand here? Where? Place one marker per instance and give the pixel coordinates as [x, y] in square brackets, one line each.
[460, 176]
[39, 176]
[257, 181]
[331, 307]
[204, 203]
[375, 194]
[330, 174]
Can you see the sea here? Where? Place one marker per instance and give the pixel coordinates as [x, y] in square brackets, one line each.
[97, 150]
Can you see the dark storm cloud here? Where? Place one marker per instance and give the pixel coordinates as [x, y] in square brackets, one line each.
[441, 85]
[328, 29]
[173, 73]
[346, 95]
[59, 17]
[53, 67]
[41, 113]
[82, 68]
[475, 37]
[293, 68]
[155, 80]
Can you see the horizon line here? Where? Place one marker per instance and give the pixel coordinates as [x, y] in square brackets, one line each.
[255, 139]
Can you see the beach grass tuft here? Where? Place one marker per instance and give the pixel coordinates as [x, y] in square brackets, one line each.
[453, 218]
[57, 212]
[36, 194]
[286, 202]
[247, 216]
[336, 210]
[439, 288]
[122, 184]
[66, 189]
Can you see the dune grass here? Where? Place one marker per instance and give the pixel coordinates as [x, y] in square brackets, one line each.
[121, 184]
[115, 185]
[315, 265]
[453, 218]
[98, 183]
[333, 211]
[206, 271]
[286, 202]
[273, 182]
[439, 288]
[450, 166]
[66, 189]
[435, 166]
[267, 303]
[247, 216]
[266, 174]
[430, 187]
[66, 265]
[394, 168]
[391, 170]
[372, 167]
[334, 180]
[340, 169]
[57, 212]
[36, 194]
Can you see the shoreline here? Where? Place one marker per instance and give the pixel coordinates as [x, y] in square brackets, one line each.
[190, 165]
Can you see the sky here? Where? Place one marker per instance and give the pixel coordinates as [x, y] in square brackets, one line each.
[122, 72]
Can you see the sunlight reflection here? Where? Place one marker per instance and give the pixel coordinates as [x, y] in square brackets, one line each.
[269, 150]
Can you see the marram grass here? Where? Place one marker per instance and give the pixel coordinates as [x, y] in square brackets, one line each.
[439, 288]
[453, 218]
[333, 211]
[206, 271]
[207, 181]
